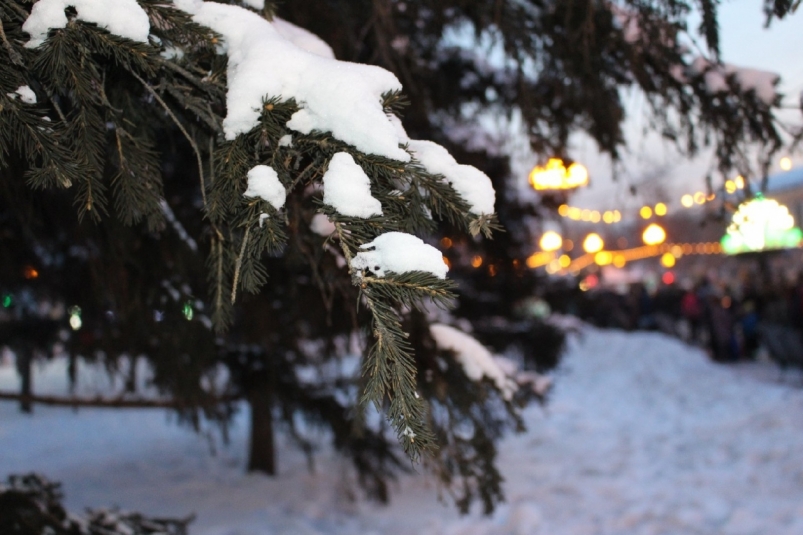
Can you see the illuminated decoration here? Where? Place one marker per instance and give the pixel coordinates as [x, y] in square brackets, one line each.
[564, 261]
[568, 245]
[446, 242]
[539, 259]
[668, 260]
[7, 300]
[645, 212]
[739, 181]
[603, 258]
[730, 186]
[699, 197]
[591, 216]
[761, 224]
[476, 261]
[785, 163]
[687, 201]
[653, 235]
[619, 260]
[187, 311]
[660, 209]
[75, 318]
[556, 176]
[668, 278]
[550, 241]
[449, 262]
[492, 270]
[593, 243]
[30, 273]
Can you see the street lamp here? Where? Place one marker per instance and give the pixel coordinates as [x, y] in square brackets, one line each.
[593, 243]
[550, 241]
[654, 234]
[555, 175]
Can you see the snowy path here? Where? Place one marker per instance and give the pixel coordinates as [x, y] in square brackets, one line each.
[643, 436]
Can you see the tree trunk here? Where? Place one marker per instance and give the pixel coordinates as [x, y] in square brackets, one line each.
[262, 456]
[24, 362]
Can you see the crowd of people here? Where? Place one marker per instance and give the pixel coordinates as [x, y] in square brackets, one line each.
[734, 315]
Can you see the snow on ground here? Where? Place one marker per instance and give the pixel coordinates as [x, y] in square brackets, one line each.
[643, 436]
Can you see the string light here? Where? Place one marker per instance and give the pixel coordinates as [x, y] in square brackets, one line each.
[660, 209]
[554, 175]
[687, 201]
[593, 243]
[550, 241]
[785, 163]
[645, 212]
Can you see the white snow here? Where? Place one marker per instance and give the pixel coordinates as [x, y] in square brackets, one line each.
[303, 39]
[476, 360]
[336, 96]
[125, 18]
[470, 183]
[25, 94]
[399, 252]
[286, 141]
[642, 435]
[347, 188]
[321, 225]
[263, 182]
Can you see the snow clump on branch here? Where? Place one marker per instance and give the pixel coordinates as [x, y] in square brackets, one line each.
[125, 18]
[476, 360]
[399, 252]
[263, 182]
[347, 188]
[339, 97]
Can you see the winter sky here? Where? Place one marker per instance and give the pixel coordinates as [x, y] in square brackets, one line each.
[744, 42]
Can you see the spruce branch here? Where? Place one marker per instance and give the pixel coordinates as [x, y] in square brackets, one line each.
[183, 130]
[239, 264]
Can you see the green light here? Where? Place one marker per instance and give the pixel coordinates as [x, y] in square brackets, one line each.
[187, 311]
[7, 300]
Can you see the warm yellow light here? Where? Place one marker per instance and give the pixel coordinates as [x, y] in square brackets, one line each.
[617, 216]
[699, 197]
[555, 175]
[563, 210]
[553, 267]
[668, 260]
[585, 215]
[575, 213]
[677, 251]
[550, 241]
[564, 261]
[660, 209]
[593, 243]
[785, 163]
[595, 217]
[645, 212]
[476, 261]
[730, 186]
[654, 235]
[739, 181]
[687, 201]
[710, 197]
[603, 258]
[619, 261]
[608, 217]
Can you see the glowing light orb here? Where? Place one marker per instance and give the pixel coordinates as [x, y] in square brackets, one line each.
[653, 235]
[593, 243]
[554, 175]
[550, 241]
[785, 163]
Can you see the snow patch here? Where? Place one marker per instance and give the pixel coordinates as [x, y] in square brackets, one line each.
[476, 360]
[321, 225]
[470, 183]
[347, 188]
[400, 253]
[263, 182]
[338, 97]
[24, 93]
[126, 19]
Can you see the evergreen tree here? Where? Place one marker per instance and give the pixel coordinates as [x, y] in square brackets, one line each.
[136, 145]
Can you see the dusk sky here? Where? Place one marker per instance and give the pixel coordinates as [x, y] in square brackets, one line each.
[744, 42]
